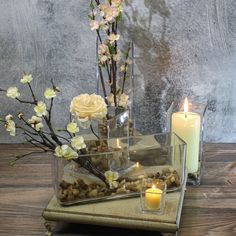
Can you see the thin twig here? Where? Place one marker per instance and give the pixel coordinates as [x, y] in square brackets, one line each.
[53, 135]
[32, 93]
[125, 71]
[20, 127]
[103, 84]
[91, 127]
[43, 142]
[50, 110]
[36, 145]
[66, 131]
[28, 102]
[57, 136]
[24, 155]
[45, 139]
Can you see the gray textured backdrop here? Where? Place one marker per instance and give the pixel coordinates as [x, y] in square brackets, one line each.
[183, 47]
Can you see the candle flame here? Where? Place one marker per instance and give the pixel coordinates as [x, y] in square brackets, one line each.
[186, 104]
[137, 164]
[153, 186]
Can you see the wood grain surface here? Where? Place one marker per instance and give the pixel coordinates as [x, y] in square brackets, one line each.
[25, 189]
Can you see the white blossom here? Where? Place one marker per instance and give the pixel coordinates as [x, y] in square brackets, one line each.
[36, 122]
[50, 93]
[41, 109]
[66, 152]
[10, 125]
[111, 177]
[13, 92]
[72, 127]
[27, 78]
[77, 142]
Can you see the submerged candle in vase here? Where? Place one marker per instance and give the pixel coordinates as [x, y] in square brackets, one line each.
[153, 198]
[187, 126]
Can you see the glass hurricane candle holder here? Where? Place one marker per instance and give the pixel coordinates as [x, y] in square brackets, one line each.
[152, 196]
[187, 121]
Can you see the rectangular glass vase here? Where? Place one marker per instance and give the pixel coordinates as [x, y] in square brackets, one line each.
[122, 164]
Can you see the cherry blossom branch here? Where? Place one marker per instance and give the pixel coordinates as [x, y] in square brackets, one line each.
[43, 142]
[59, 136]
[91, 127]
[19, 100]
[24, 155]
[53, 134]
[44, 138]
[32, 93]
[27, 102]
[36, 145]
[125, 69]
[103, 83]
[66, 131]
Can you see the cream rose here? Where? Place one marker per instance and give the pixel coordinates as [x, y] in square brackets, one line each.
[88, 106]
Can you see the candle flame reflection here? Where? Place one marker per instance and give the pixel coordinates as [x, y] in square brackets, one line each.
[186, 104]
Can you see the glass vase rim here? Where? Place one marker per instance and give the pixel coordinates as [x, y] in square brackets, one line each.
[137, 136]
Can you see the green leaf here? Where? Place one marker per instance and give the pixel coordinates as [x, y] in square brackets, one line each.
[112, 49]
[126, 53]
[119, 17]
[90, 17]
[91, 4]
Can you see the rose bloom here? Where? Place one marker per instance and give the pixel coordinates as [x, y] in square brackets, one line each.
[92, 106]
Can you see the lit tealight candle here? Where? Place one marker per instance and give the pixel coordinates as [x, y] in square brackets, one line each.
[153, 198]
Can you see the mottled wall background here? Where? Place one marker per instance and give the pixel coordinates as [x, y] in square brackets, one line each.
[182, 47]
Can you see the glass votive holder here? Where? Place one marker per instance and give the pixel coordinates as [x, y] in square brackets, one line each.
[152, 196]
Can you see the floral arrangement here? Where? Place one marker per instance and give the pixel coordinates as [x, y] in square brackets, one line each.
[85, 109]
[113, 64]
[39, 131]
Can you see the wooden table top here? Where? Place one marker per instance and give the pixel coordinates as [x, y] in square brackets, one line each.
[25, 190]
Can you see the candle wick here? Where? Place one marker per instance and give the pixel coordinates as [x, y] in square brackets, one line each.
[185, 114]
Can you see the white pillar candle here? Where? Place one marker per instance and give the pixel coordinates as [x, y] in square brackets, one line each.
[187, 126]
